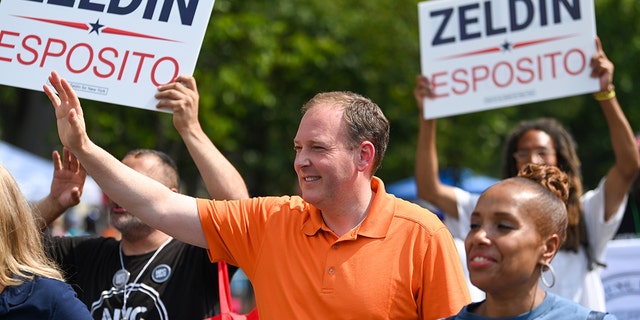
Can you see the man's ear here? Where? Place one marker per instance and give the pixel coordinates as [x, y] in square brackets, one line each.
[175, 190]
[365, 156]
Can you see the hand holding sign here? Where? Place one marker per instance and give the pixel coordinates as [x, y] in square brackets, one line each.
[602, 67]
[182, 98]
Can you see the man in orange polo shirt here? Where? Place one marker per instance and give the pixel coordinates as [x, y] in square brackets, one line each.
[344, 249]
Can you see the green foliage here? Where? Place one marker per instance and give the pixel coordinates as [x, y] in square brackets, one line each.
[261, 60]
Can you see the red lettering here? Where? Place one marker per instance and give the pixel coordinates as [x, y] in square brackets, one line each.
[520, 66]
[475, 78]
[47, 52]
[176, 70]
[82, 57]
[509, 70]
[553, 57]
[124, 63]
[142, 57]
[89, 58]
[504, 74]
[5, 45]
[539, 68]
[33, 51]
[459, 76]
[435, 84]
[103, 59]
[582, 63]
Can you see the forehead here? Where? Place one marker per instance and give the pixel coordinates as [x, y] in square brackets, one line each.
[535, 139]
[147, 164]
[321, 122]
[510, 198]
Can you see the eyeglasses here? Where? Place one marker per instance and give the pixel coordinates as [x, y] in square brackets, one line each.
[542, 153]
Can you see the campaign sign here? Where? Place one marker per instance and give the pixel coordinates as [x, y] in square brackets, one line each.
[487, 54]
[621, 278]
[116, 51]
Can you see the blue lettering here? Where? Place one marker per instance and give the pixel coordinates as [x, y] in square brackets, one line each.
[437, 39]
[543, 11]
[88, 5]
[66, 3]
[515, 26]
[151, 7]
[473, 23]
[114, 7]
[464, 21]
[186, 11]
[573, 10]
[186, 8]
[489, 19]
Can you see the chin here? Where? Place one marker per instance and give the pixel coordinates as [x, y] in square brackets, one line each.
[483, 283]
[310, 198]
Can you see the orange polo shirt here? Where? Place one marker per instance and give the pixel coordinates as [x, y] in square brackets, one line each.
[400, 263]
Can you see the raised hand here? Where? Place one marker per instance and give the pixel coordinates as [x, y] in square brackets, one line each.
[602, 67]
[68, 179]
[69, 116]
[421, 91]
[181, 96]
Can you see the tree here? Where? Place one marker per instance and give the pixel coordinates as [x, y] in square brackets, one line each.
[260, 61]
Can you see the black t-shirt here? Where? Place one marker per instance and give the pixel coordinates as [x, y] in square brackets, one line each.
[180, 283]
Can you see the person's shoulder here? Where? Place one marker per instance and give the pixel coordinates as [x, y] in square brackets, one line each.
[293, 201]
[37, 291]
[54, 285]
[413, 212]
[59, 296]
[92, 240]
[43, 289]
[563, 306]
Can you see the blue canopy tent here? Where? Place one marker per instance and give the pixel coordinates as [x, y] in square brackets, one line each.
[33, 175]
[463, 178]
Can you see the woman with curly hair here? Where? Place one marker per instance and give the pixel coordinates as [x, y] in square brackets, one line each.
[517, 228]
[593, 216]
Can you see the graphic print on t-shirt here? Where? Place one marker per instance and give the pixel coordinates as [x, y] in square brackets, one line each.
[143, 302]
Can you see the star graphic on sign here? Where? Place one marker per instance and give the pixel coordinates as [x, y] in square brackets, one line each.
[96, 27]
[506, 46]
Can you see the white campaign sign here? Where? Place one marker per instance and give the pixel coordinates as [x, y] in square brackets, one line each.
[487, 54]
[621, 278]
[115, 51]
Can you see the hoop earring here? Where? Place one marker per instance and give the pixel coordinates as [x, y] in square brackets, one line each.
[553, 275]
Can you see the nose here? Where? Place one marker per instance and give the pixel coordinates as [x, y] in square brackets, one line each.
[301, 160]
[535, 158]
[477, 236]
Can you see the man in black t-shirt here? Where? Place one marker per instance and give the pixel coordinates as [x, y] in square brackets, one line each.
[147, 274]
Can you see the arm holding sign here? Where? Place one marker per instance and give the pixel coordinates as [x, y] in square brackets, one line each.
[618, 179]
[621, 175]
[429, 186]
[221, 178]
[151, 201]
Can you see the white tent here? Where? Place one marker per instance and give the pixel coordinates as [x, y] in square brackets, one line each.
[34, 173]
